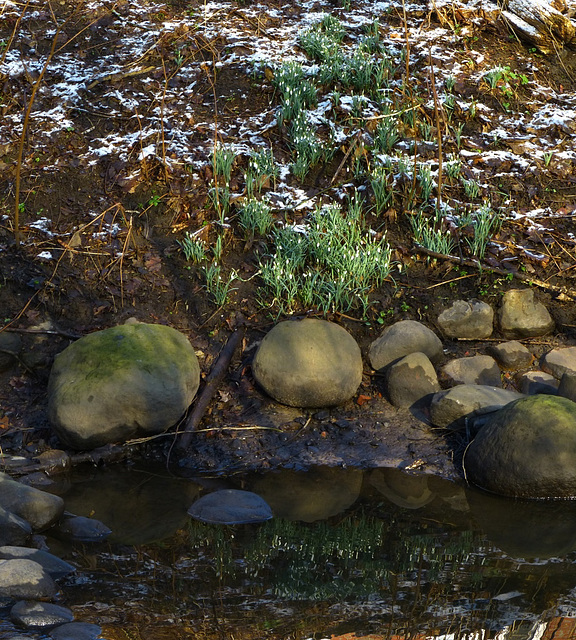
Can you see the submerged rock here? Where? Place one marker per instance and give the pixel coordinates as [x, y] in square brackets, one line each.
[111, 385]
[23, 578]
[231, 506]
[401, 339]
[76, 631]
[40, 615]
[527, 450]
[80, 529]
[122, 497]
[407, 491]
[308, 363]
[13, 529]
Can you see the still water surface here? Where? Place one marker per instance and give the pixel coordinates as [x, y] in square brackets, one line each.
[350, 554]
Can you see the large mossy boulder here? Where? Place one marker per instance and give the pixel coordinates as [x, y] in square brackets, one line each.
[527, 450]
[308, 363]
[112, 385]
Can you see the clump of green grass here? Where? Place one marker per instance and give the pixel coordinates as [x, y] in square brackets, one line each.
[262, 170]
[255, 218]
[217, 285]
[193, 248]
[429, 232]
[333, 266]
[485, 223]
[297, 91]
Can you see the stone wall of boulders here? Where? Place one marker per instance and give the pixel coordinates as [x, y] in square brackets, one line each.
[139, 379]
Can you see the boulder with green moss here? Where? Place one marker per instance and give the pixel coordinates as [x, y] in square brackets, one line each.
[120, 383]
[527, 450]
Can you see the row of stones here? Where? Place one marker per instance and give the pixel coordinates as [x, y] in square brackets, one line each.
[27, 575]
[138, 379]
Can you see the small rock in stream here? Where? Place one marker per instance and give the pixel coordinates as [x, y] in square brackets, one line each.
[56, 567]
[76, 631]
[231, 506]
[23, 578]
[40, 615]
[80, 529]
[13, 529]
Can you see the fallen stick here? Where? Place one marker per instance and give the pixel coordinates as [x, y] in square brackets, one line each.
[212, 383]
[563, 293]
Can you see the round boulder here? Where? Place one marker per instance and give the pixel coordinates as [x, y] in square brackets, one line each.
[310, 363]
[527, 450]
[401, 339]
[131, 380]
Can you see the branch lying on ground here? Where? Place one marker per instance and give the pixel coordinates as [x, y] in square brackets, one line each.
[563, 293]
[212, 383]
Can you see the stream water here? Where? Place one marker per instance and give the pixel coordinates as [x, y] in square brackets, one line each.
[349, 554]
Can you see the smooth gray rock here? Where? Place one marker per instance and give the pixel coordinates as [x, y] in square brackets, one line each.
[38, 508]
[112, 385]
[40, 615]
[523, 317]
[401, 339]
[231, 506]
[533, 382]
[511, 355]
[473, 370]
[10, 346]
[23, 578]
[80, 529]
[527, 450]
[76, 631]
[567, 386]
[411, 379]
[467, 319]
[559, 361]
[449, 408]
[308, 363]
[53, 565]
[13, 529]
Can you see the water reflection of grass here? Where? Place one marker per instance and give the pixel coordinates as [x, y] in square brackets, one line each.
[355, 558]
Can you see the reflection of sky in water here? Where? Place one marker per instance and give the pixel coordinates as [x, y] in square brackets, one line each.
[380, 553]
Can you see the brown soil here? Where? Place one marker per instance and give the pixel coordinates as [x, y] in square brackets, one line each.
[115, 225]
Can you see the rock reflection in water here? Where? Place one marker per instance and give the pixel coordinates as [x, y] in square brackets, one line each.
[315, 495]
[526, 529]
[396, 555]
[138, 506]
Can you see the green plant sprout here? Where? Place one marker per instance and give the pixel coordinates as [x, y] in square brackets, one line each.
[428, 233]
[262, 170]
[216, 285]
[255, 218]
[453, 166]
[383, 194]
[485, 223]
[471, 188]
[194, 249]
